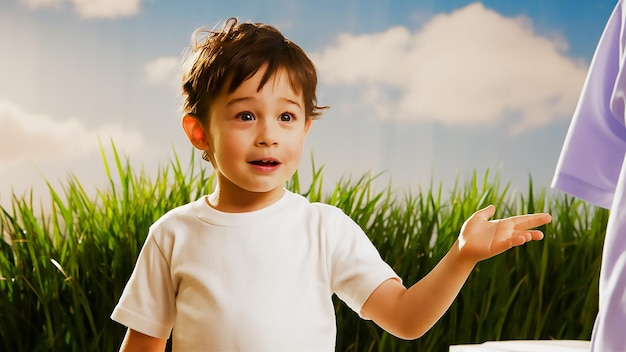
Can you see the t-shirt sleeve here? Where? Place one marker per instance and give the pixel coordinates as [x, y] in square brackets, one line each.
[593, 151]
[357, 268]
[148, 302]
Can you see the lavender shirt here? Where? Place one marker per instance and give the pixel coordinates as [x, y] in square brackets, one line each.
[592, 167]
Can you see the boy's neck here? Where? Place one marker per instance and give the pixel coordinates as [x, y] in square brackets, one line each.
[236, 200]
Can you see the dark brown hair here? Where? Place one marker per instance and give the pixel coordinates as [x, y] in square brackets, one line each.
[235, 53]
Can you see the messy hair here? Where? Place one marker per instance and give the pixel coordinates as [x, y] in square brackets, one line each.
[235, 53]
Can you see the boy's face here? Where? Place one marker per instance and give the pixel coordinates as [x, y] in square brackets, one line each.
[255, 138]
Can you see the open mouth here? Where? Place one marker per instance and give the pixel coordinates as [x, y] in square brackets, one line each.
[265, 162]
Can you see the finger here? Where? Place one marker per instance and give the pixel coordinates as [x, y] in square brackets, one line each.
[518, 238]
[526, 217]
[535, 235]
[522, 237]
[530, 220]
[486, 213]
[518, 241]
[504, 245]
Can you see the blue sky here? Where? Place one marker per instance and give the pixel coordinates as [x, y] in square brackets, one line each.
[422, 91]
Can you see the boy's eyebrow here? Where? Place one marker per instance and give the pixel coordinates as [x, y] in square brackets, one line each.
[294, 102]
[237, 100]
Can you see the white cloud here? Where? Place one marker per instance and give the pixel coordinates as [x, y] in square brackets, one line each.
[92, 8]
[106, 8]
[467, 67]
[164, 71]
[30, 137]
[35, 4]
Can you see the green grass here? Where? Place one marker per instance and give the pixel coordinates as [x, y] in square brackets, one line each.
[61, 272]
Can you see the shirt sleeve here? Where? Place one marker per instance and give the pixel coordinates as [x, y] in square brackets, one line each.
[357, 268]
[148, 302]
[593, 151]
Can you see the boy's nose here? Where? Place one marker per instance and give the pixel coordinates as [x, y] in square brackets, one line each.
[266, 135]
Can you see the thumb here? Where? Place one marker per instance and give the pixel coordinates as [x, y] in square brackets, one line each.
[486, 213]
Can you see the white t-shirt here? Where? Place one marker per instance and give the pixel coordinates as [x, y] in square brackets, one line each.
[257, 281]
[592, 166]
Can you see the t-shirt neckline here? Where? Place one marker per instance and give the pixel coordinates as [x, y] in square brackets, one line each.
[204, 212]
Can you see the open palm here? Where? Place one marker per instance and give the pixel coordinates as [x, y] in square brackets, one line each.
[481, 238]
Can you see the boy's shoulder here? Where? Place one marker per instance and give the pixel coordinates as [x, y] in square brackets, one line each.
[303, 202]
[180, 212]
[321, 212]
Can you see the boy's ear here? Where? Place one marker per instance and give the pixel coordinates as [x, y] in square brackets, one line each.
[195, 132]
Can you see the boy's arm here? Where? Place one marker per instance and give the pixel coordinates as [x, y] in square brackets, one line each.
[409, 313]
[136, 341]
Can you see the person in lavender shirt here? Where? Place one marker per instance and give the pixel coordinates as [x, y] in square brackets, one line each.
[592, 167]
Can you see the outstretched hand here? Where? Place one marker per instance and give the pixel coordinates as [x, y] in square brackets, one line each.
[481, 238]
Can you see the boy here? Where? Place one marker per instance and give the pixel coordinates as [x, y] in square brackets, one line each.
[252, 267]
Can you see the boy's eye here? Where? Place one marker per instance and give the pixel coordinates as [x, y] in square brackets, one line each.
[285, 117]
[245, 116]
